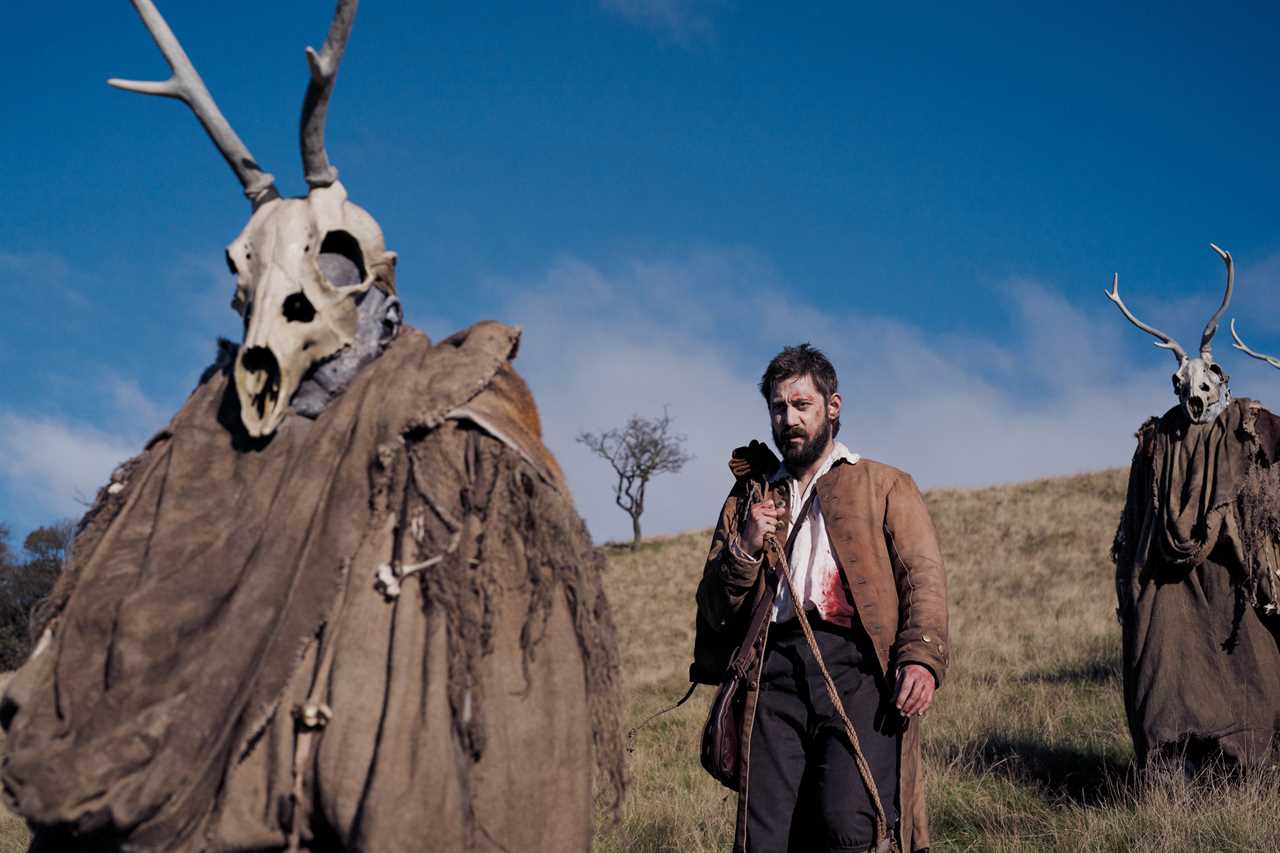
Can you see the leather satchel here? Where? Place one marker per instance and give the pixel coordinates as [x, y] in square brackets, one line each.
[722, 734]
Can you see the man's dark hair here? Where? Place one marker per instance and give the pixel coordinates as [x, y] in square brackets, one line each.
[802, 360]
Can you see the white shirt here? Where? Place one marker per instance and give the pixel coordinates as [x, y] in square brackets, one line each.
[813, 566]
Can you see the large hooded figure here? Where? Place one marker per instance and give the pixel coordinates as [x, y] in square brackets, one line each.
[1196, 572]
[342, 601]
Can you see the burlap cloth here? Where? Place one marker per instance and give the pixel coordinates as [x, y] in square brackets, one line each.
[1195, 575]
[218, 582]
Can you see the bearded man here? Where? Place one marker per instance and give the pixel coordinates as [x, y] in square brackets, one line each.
[865, 562]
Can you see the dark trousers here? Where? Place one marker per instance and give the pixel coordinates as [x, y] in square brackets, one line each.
[804, 792]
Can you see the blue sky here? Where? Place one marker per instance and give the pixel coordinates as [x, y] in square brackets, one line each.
[663, 192]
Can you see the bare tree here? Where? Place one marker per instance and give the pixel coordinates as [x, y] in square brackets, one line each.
[47, 546]
[642, 449]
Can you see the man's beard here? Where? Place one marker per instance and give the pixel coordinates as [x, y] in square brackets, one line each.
[800, 457]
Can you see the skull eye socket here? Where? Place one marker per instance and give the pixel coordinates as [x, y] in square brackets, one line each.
[298, 308]
[1217, 371]
[341, 261]
[231, 264]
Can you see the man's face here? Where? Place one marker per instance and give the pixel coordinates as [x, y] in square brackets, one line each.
[801, 420]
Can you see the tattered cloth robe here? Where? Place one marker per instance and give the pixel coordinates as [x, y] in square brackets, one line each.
[1196, 562]
[220, 608]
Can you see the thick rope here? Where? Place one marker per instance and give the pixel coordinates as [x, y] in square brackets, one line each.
[779, 559]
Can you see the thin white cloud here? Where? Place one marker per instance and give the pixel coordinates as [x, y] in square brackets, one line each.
[56, 465]
[50, 465]
[30, 277]
[693, 333]
[133, 410]
[681, 20]
[33, 263]
[1060, 393]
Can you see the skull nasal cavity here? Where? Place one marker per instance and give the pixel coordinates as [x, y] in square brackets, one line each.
[298, 308]
[260, 359]
[341, 260]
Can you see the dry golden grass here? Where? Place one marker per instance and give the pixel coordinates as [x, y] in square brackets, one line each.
[13, 832]
[1026, 747]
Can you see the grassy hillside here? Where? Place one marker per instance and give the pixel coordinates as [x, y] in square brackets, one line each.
[13, 832]
[1026, 746]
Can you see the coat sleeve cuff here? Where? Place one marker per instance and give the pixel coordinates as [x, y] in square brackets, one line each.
[740, 555]
[927, 653]
[740, 569]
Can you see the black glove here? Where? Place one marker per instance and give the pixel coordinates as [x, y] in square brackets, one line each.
[753, 460]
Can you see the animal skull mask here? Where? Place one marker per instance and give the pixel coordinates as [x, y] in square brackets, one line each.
[1200, 383]
[1201, 387]
[302, 265]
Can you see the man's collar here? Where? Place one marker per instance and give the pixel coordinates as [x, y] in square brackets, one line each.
[839, 453]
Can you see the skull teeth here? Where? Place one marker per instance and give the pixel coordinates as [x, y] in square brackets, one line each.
[266, 399]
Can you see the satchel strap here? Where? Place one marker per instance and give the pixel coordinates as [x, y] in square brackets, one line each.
[764, 606]
[631, 735]
[799, 520]
[742, 656]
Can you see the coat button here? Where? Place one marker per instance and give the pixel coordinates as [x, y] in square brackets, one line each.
[860, 579]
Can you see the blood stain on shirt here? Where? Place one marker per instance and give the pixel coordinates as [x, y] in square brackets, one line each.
[833, 603]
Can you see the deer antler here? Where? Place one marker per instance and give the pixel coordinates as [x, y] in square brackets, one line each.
[315, 106]
[185, 85]
[1240, 345]
[1165, 341]
[1211, 329]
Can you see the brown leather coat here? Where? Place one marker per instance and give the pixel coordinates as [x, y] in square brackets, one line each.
[886, 547]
